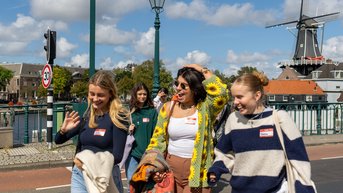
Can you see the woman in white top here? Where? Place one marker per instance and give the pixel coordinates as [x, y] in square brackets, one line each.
[187, 138]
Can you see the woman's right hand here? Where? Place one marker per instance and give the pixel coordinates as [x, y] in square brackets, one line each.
[212, 178]
[71, 121]
[158, 177]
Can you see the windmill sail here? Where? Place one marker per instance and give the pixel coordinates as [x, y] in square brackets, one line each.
[307, 49]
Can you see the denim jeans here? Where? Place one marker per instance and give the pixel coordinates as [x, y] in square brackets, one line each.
[78, 183]
[130, 167]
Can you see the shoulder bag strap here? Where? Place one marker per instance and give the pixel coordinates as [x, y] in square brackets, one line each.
[289, 170]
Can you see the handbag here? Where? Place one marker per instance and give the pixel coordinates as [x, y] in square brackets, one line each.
[128, 146]
[166, 185]
[292, 174]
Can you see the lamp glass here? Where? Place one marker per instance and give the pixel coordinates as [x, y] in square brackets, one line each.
[156, 4]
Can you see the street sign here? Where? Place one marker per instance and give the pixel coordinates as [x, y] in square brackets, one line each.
[46, 76]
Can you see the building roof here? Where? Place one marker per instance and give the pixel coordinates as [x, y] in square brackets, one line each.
[35, 70]
[326, 71]
[289, 73]
[307, 87]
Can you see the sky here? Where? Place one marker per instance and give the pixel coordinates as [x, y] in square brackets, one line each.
[220, 34]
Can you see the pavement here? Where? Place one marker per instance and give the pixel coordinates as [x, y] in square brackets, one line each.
[38, 155]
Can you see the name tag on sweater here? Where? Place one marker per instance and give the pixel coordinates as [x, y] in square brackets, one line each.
[266, 133]
[99, 132]
[146, 120]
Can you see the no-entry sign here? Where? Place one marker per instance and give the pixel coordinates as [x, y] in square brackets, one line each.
[46, 75]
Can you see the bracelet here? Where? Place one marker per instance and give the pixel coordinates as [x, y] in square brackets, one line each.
[204, 70]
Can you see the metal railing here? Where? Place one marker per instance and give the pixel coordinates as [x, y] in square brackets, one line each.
[315, 118]
[29, 121]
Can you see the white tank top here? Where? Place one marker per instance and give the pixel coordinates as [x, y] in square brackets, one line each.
[182, 132]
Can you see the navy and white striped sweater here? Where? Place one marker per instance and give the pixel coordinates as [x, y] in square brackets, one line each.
[251, 151]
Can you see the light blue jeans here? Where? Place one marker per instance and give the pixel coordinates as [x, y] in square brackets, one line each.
[130, 167]
[78, 183]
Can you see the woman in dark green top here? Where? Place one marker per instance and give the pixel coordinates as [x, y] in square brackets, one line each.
[143, 117]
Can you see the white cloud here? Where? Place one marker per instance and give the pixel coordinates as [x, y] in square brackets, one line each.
[106, 34]
[223, 15]
[233, 58]
[333, 48]
[78, 10]
[64, 48]
[260, 61]
[79, 60]
[195, 56]
[107, 64]
[145, 44]
[122, 64]
[12, 48]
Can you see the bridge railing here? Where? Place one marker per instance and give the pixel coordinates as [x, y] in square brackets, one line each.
[315, 118]
[29, 121]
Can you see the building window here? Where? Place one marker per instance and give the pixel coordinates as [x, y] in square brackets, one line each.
[18, 83]
[315, 74]
[285, 98]
[271, 97]
[338, 74]
[309, 98]
[338, 87]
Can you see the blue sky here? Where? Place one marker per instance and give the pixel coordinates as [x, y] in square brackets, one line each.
[219, 34]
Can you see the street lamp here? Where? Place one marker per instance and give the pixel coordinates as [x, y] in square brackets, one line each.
[157, 6]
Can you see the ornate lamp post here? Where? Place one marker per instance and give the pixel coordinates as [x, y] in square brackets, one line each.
[157, 6]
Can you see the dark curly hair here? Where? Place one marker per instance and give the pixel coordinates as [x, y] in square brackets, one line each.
[194, 79]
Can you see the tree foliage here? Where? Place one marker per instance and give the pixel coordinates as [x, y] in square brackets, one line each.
[41, 91]
[133, 73]
[5, 77]
[79, 88]
[61, 80]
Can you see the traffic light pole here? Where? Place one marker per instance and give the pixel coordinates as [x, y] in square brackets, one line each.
[50, 49]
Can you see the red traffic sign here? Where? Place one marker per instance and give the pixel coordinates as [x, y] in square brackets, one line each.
[46, 76]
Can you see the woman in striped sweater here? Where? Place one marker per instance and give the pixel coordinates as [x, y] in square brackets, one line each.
[250, 149]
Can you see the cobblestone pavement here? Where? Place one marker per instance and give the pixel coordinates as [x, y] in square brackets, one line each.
[36, 155]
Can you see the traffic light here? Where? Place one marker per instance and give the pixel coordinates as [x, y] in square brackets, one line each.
[50, 46]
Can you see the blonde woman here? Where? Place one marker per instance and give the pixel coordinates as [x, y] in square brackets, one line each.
[104, 128]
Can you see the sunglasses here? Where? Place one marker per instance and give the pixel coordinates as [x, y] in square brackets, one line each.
[182, 85]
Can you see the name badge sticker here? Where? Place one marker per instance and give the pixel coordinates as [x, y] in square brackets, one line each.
[191, 120]
[146, 120]
[266, 133]
[99, 132]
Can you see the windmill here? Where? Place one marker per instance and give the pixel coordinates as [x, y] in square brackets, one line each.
[307, 55]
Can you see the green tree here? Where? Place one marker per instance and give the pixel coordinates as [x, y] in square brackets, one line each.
[124, 86]
[5, 77]
[144, 73]
[61, 80]
[41, 91]
[79, 88]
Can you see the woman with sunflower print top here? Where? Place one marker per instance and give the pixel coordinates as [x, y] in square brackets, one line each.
[188, 139]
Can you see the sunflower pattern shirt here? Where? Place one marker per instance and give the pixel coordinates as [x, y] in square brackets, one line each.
[217, 97]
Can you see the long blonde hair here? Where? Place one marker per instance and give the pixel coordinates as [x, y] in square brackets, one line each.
[117, 111]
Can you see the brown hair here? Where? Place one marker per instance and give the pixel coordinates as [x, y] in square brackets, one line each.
[254, 81]
[118, 113]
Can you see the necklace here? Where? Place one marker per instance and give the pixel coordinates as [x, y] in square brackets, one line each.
[184, 107]
[255, 117]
